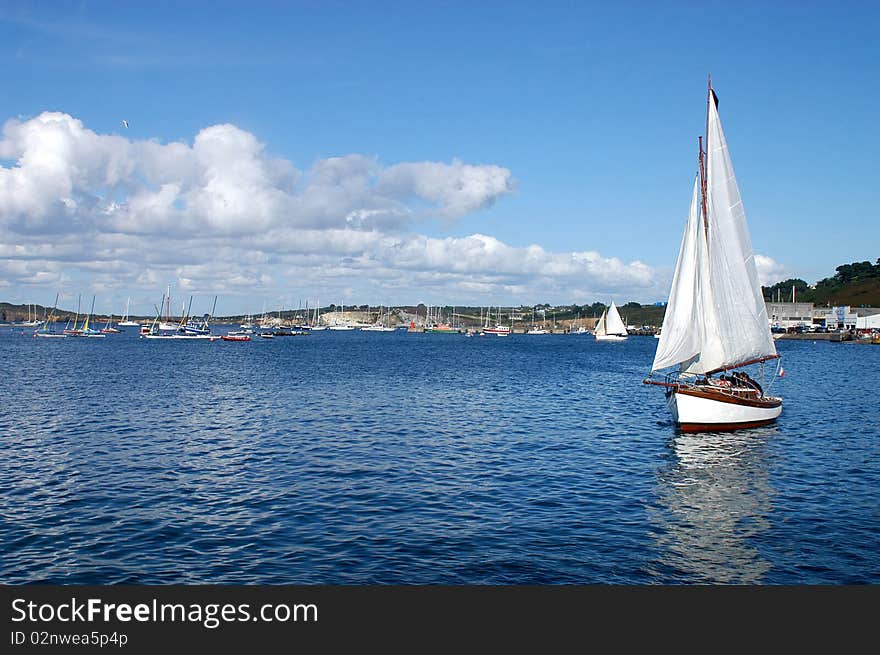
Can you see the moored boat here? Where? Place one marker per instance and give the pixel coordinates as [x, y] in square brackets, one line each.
[188, 329]
[47, 329]
[497, 329]
[236, 337]
[108, 328]
[85, 330]
[441, 328]
[126, 321]
[32, 320]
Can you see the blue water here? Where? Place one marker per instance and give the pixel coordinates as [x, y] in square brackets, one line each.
[349, 457]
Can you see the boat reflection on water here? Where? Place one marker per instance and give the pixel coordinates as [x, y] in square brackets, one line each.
[714, 500]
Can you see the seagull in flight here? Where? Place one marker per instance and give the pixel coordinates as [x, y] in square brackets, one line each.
[125, 124]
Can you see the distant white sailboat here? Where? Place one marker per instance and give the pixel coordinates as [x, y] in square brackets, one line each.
[610, 326]
[126, 321]
[168, 325]
[716, 319]
[381, 325]
[344, 325]
[535, 329]
[32, 320]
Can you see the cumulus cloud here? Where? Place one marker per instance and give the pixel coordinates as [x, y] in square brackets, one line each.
[455, 189]
[67, 176]
[221, 215]
[770, 272]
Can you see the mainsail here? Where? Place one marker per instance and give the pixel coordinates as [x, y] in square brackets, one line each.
[716, 317]
[613, 322]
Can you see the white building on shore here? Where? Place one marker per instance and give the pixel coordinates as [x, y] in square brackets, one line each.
[790, 314]
[836, 318]
[871, 322]
[804, 314]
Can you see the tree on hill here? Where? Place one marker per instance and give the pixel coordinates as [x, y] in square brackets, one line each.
[856, 271]
[849, 274]
[783, 289]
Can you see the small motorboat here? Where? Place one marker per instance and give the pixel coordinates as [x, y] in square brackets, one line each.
[235, 337]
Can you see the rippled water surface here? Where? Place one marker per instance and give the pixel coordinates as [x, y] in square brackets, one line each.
[349, 457]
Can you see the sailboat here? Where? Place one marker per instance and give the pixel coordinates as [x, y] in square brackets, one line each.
[47, 329]
[610, 326]
[126, 321]
[85, 330]
[32, 322]
[381, 324]
[535, 329]
[194, 331]
[108, 328]
[168, 324]
[716, 319]
[191, 326]
[74, 330]
[344, 325]
[316, 325]
[435, 325]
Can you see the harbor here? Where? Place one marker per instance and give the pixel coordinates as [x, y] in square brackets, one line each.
[859, 324]
[358, 458]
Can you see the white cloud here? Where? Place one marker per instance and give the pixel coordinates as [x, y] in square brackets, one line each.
[222, 216]
[455, 189]
[769, 272]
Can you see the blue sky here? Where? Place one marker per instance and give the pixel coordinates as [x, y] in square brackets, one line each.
[561, 134]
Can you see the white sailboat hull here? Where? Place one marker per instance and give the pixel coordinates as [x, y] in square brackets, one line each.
[610, 337]
[693, 411]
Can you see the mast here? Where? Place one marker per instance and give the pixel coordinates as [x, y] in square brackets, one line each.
[88, 318]
[703, 204]
[704, 154]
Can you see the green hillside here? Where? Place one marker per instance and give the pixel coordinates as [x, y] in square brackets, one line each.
[856, 285]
